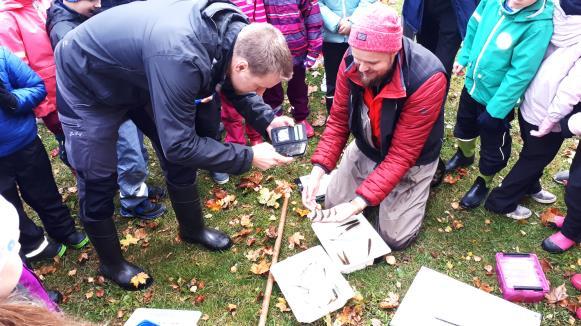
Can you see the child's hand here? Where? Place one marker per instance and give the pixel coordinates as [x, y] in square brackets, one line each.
[458, 69]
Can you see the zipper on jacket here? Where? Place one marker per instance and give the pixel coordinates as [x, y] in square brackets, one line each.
[492, 33]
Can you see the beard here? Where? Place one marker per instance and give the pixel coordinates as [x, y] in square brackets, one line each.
[371, 82]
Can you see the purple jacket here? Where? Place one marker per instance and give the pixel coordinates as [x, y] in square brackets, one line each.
[301, 24]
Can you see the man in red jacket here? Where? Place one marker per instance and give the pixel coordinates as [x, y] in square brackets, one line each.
[390, 96]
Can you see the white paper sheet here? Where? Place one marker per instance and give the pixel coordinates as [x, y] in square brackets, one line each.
[311, 284]
[165, 317]
[436, 299]
[360, 244]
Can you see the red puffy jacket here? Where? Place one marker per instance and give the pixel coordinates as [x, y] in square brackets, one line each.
[421, 110]
[23, 31]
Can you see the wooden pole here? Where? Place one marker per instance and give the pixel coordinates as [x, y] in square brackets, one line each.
[277, 244]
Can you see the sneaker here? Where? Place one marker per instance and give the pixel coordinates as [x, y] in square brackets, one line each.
[219, 177]
[156, 193]
[308, 128]
[147, 210]
[76, 240]
[544, 197]
[47, 250]
[561, 177]
[520, 213]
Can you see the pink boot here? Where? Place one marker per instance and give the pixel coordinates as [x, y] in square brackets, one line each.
[557, 243]
[308, 128]
[576, 281]
[557, 222]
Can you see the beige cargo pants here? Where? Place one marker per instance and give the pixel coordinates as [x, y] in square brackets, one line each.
[401, 213]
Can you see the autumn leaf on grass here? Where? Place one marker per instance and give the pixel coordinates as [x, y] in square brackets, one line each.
[214, 205]
[302, 212]
[457, 224]
[253, 255]
[350, 315]
[312, 89]
[251, 181]
[546, 265]
[482, 285]
[245, 221]
[236, 237]
[232, 308]
[319, 120]
[269, 198]
[140, 233]
[271, 232]
[140, 278]
[392, 301]
[390, 260]
[295, 240]
[450, 179]
[128, 240]
[284, 187]
[557, 294]
[260, 268]
[219, 193]
[45, 270]
[281, 305]
[489, 270]
[549, 214]
[228, 201]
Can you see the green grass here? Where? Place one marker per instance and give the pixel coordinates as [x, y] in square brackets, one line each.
[174, 264]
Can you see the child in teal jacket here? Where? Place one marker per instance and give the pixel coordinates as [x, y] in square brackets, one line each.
[502, 51]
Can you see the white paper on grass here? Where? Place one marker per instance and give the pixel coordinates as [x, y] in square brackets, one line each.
[323, 184]
[165, 317]
[307, 281]
[352, 243]
[436, 299]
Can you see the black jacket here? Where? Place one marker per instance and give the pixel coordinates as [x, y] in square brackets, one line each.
[167, 53]
[60, 21]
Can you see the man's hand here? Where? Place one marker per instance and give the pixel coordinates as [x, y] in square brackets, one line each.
[281, 121]
[545, 128]
[265, 157]
[344, 27]
[458, 69]
[309, 194]
[7, 99]
[338, 213]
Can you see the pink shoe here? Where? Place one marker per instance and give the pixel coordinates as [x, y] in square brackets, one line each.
[576, 281]
[557, 243]
[308, 127]
[557, 222]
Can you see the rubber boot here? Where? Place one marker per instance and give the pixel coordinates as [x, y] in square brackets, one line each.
[113, 266]
[186, 205]
[439, 174]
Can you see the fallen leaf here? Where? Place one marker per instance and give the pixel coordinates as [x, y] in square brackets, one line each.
[228, 201]
[557, 294]
[234, 268]
[214, 205]
[251, 181]
[376, 322]
[54, 152]
[140, 233]
[218, 193]
[239, 235]
[281, 305]
[390, 260]
[312, 89]
[232, 307]
[45, 270]
[449, 265]
[260, 268]
[448, 229]
[140, 278]
[302, 212]
[128, 240]
[283, 187]
[477, 258]
[455, 205]
[392, 301]
[120, 313]
[450, 179]
[295, 240]
[271, 232]
[148, 296]
[245, 221]
[268, 198]
[199, 299]
[319, 120]
[250, 241]
[89, 295]
[100, 280]
[546, 265]
[253, 255]
[72, 272]
[350, 315]
[100, 292]
[457, 224]
[549, 214]
[72, 190]
[482, 285]
[489, 270]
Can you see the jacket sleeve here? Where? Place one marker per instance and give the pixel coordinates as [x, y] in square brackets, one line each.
[336, 132]
[174, 84]
[26, 85]
[526, 60]
[471, 29]
[58, 32]
[417, 118]
[313, 23]
[251, 106]
[568, 94]
[330, 19]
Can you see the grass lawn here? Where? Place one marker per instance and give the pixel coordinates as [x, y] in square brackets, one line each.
[228, 293]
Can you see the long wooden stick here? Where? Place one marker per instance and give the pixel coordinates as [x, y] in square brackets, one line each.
[270, 282]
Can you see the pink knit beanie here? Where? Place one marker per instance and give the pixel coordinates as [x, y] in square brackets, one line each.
[376, 28]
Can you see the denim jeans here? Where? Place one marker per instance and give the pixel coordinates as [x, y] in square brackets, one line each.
[132, 161]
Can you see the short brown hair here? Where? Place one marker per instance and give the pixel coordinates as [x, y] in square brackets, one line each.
[265, 49]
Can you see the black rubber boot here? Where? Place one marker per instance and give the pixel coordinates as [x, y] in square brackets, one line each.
[55, 296]
[439, 175]
[476, 195]
[76, 240]
[113, 266]
[458, 160]
[186, 205]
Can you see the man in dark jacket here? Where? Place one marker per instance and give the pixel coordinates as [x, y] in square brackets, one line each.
[390, 96]
[152, 71]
